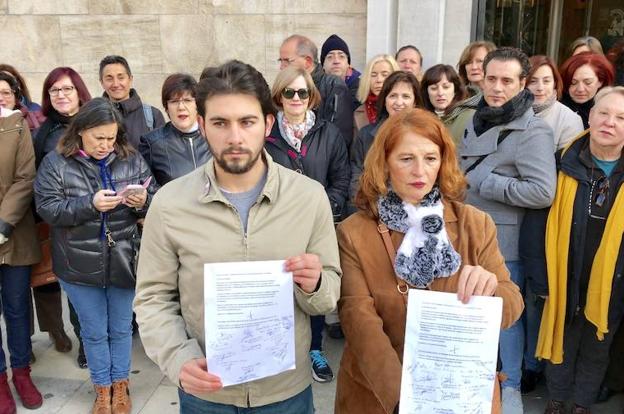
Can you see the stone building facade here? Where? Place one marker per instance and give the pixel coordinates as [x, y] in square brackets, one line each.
[159, 37]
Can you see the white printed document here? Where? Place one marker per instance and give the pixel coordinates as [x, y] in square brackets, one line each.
[249, 320]
[449, 360]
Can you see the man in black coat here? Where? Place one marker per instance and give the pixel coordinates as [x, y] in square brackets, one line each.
[336, 99]
[336, 60]
[138, 118]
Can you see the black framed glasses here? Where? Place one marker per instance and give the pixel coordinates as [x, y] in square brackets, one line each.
[65, 89]
[289, 93]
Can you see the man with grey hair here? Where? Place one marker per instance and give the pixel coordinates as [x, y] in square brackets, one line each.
[335, 105]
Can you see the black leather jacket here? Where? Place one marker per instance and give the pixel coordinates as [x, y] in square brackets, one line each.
[171, 153]
[323, 158]
[81, 253]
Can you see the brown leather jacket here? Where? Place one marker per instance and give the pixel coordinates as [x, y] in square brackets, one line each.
[17, 172]
[373, 312]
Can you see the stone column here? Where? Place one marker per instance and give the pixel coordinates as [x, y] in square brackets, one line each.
[439, 28]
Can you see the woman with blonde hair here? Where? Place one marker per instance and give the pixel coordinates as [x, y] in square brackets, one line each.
[376, 71]
[585, 44]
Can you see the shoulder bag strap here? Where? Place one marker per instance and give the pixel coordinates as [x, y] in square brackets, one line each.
[501, 138]
[402, 286]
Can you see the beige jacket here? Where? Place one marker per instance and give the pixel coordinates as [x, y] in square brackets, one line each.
[190, 223]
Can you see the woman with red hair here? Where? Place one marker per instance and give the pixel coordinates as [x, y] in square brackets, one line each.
[410, 170]
[583, 76]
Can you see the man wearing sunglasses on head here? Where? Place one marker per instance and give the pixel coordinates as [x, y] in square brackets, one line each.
[335, 107]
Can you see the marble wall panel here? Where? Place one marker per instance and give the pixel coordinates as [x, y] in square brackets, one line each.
[459, 18]
[352, 28]
[188, 43]
[240, 37]
[3, 6]
[86, 40]
[282, 6]
[48, 6]
[36, 44]
[142, 6]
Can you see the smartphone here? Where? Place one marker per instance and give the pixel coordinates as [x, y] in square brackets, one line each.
[131, 189]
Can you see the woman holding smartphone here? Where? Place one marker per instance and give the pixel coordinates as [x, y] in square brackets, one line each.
[95, 239]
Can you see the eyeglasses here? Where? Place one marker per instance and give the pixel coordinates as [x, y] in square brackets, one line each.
[6, 93]
[65, 89]
[289, 93]
[185, 102]
[285, 61]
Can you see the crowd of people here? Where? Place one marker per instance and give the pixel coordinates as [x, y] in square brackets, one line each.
[505, 171]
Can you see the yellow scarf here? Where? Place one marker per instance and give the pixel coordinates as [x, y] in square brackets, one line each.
[558, 233]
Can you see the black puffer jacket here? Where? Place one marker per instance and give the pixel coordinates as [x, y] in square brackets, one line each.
[49, 134]
[361, 145]
[134, 120]
[323, 158]
[171, 153]
[64, 190]
[336, 102]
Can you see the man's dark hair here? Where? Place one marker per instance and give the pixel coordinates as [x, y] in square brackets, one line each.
[506, 54]
[408, 47]
[113, 59]
[234, 77]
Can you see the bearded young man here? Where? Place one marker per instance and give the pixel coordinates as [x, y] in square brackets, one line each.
[240, 207]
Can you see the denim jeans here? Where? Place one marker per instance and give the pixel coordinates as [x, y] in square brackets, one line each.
[15, 301]
[511, 348]
[105, 316]
[299, 404]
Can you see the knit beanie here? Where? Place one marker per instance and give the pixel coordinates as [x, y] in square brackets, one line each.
[334, 42]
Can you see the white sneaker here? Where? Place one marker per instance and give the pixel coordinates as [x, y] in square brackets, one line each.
[512, 401]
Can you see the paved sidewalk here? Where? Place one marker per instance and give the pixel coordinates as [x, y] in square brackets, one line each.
[67, 389]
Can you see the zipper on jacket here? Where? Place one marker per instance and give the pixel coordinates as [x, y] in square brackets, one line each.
[192, 152]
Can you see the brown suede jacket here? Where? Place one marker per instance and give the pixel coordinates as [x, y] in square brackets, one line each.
[373, 312]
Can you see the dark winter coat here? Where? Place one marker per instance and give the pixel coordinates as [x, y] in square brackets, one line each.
[171, 153]
[575, 162]
[361, 145]
[81, 254]
[134, 120]
[323, 158]
[336, 102]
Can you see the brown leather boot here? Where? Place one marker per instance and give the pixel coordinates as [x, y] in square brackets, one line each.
[121, 398]
[577, 409]
[555, 407]
[61, 341]
[102, 403]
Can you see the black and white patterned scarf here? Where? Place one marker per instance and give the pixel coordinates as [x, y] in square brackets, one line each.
[425, 253]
